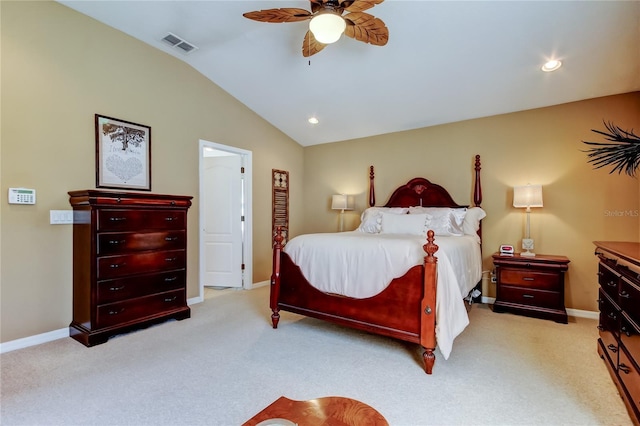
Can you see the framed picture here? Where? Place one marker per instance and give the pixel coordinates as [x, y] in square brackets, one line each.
[123, 154]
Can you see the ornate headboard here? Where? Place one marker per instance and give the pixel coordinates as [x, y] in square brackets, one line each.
[421, 192]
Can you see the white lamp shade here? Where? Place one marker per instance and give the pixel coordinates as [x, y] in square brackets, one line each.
[327, 27]
[527, 196]
[339, 202]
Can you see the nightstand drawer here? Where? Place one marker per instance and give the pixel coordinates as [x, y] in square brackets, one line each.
[527, 278]
[527, 296]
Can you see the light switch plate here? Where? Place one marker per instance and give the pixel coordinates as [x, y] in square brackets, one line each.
[60, 217]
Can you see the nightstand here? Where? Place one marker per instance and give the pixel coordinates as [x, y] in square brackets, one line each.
[531, 286]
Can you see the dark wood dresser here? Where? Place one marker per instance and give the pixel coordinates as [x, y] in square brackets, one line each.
[129, 262]
[619, 324]
[532, 286]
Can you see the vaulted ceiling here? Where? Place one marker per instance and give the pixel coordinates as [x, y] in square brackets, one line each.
[445, 61]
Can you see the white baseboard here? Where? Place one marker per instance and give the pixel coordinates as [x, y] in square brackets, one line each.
[583, 314]
[64, 332]
[488, 300]
[25, 342]
[195, 300]
[260, 284]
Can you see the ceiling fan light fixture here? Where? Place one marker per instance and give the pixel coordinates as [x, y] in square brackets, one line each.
[327, 27]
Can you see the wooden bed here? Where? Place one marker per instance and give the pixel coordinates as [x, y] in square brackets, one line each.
[405, 310]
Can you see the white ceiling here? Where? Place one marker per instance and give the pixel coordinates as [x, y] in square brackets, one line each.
[446, 61]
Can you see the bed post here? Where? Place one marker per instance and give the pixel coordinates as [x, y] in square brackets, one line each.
[372, 190]
[428, 306]
[477, 189]
[477, 192]
[275, 277]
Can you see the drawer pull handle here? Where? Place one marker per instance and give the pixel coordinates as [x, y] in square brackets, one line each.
[624, 368]
[170, 279]
[170, 299]
[612, 284]
[528, 279]
[116, 312]
[170, 259]
[117, 219]
[116, 288]
[528, 296]
[599, 327]
[624, 294]
[169, 218]
[117, 241]
[600, 273]
[117, 265]
[612, 315]
[612, 348]
[170, 238]
[625, 331]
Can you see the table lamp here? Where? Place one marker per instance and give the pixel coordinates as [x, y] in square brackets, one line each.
[341, 202]
[527, 196]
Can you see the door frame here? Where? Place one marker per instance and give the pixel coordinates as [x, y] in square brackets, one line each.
[247, 242]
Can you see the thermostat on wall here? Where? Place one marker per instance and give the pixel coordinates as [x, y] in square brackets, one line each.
[22, 196]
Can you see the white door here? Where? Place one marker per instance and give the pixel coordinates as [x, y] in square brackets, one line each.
[222, 197]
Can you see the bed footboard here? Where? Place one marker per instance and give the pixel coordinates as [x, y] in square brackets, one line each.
[412, 299]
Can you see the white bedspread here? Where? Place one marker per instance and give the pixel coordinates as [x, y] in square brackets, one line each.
[361, 265]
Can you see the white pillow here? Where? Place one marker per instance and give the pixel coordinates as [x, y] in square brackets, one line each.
[445, 221]
[472, 220]
[458, 212]
[371, 218]
[414, 224]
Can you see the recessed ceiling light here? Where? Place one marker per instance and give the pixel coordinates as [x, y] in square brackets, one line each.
[313, 120]
[551, 65]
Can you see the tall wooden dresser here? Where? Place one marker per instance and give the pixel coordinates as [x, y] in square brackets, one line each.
[619, 324]
[129, 262]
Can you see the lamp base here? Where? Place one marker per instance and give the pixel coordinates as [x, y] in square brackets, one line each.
[528, 254]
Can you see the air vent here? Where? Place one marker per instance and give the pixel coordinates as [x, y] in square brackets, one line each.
[179, 43]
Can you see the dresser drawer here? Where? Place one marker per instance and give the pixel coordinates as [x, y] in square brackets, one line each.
[609, 314]
[139, 219]
[611, 346]
[630, 335]
[628, 372]
[110, 291]
[629, 298]
[608, 280]
[123, 242]
[128, 264]
[134, 309]
[526, 296]
[529, 278]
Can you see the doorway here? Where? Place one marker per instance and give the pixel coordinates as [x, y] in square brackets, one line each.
[225, 220]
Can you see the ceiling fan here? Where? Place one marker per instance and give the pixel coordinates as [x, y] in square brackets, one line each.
[327, 22]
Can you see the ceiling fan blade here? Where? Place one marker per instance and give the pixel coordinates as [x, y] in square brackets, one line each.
[286, 14]
[311, 46]
[359, 5]
[367, 28]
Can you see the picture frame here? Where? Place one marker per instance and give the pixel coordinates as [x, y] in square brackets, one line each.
[123, 154]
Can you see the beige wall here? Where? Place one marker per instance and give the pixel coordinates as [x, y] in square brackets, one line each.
[541, 146]
[59, 68]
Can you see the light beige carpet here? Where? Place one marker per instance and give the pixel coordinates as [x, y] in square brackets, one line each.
[226, 363]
